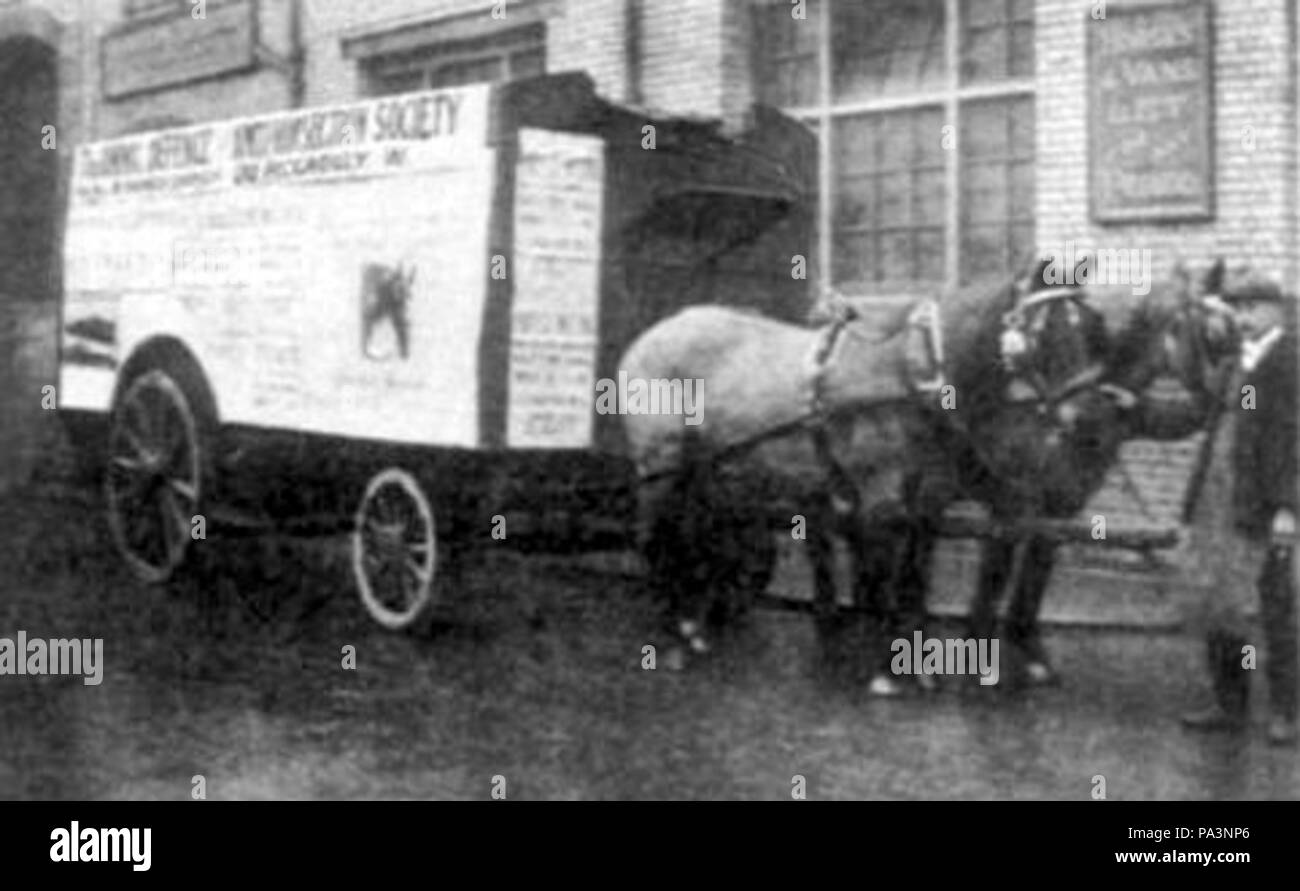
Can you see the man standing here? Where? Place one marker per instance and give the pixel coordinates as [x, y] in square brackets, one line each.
[1245, 516]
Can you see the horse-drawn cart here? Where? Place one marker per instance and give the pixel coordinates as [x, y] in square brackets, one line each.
[402, 304]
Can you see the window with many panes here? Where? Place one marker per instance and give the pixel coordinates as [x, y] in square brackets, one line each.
[507, 56]
[926, 113]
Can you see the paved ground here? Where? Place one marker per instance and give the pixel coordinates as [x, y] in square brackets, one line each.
[539, 681]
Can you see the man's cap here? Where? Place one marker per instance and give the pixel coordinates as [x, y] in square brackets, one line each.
[1251, 289]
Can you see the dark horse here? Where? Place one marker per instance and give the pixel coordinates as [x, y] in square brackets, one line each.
[1169, 335]
[834, 432]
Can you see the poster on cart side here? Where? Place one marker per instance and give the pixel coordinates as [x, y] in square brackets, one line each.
[559, 194]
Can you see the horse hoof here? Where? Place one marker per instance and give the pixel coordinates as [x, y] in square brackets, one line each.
[675, 659]
[1040, 674]
[882, 685]
[927, 683]
[699, 646]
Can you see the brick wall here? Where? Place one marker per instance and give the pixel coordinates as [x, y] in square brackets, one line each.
[682, 55]
[693, 55]
[681, 51]
[592, 36]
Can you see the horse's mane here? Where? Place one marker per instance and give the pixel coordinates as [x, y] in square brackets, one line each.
[1136, 356]
[972, 324]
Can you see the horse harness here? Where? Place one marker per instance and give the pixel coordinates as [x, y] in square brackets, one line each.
[1019, 338]
[923, 377]
[926, 377]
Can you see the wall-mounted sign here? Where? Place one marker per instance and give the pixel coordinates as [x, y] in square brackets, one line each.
[1151, 92]
[165, 52]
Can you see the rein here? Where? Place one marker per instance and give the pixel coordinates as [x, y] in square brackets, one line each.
[1204, 456]
[1207, 370]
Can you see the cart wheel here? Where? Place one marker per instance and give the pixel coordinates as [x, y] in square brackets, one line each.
[395, 550]
[156, 475]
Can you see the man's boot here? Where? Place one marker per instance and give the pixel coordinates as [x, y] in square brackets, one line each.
[1282, 730]
[1230, 710]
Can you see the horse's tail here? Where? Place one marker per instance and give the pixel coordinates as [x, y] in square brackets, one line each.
[644, 443]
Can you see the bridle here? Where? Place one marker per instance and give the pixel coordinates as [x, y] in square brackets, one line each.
[1021, 336]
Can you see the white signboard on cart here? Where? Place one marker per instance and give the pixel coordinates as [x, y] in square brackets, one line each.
[327, 267]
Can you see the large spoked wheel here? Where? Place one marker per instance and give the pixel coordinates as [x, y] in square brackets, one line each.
[395, 550]
[155, 477]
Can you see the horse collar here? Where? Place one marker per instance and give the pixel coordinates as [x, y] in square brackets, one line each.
[819, 360]
[927, 374]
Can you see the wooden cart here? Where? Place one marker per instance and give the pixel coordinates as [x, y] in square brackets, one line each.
[396, 311]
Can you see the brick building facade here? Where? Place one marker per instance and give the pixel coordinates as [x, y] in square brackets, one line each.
[956, 131]
[956, 135]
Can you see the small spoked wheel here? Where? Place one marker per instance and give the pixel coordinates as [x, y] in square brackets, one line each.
[395, 550]
[155, 475]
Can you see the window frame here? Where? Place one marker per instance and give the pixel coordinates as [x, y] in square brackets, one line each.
[149, 10]
[504, 48]
[824, 115]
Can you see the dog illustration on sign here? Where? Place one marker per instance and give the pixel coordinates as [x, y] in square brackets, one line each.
[385, 320]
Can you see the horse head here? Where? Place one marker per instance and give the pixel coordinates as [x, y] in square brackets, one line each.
[1186, 332]
[1052, 343]
[1181, 331]
[1025, 358]
[1212, 342]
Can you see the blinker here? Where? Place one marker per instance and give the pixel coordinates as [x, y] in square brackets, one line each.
[1013, 344]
